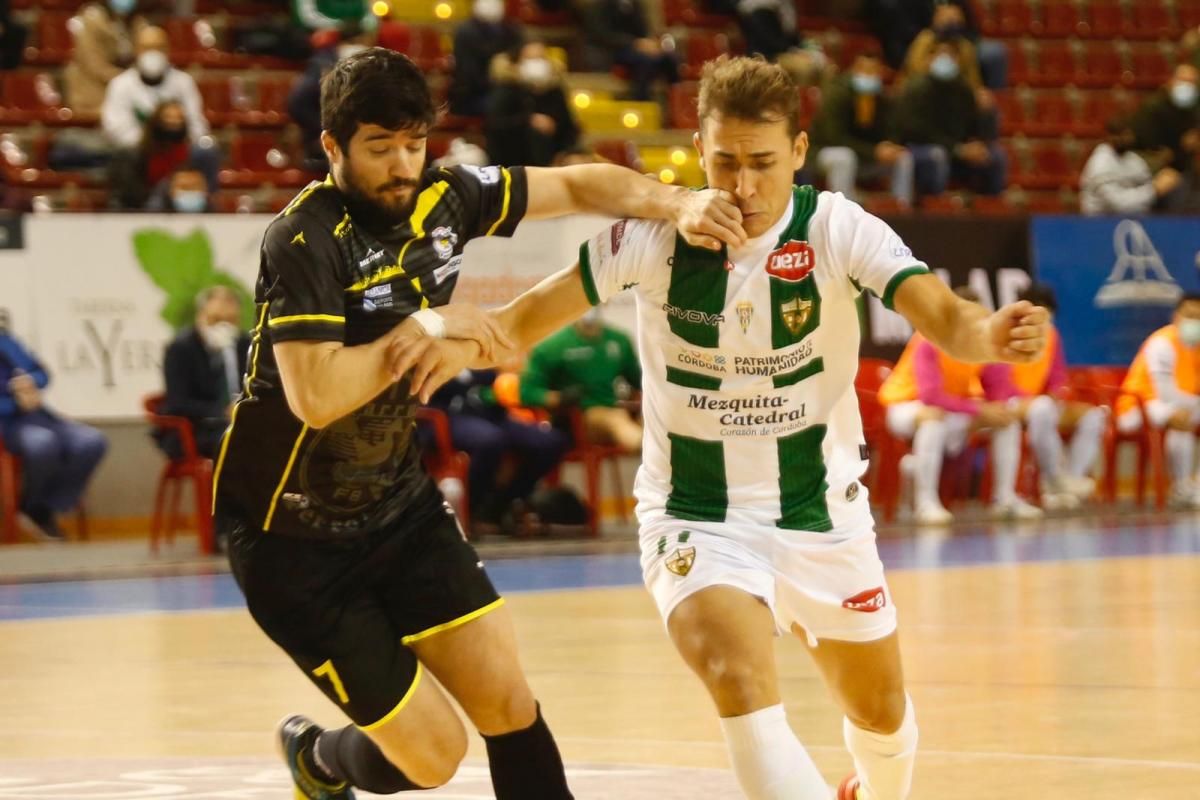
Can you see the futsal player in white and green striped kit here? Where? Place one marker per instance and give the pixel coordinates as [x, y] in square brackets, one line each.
[753, 522]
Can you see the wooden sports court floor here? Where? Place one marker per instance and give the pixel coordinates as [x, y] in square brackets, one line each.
[1060, 661]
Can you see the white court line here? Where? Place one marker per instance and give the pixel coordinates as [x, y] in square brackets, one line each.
[964, 755]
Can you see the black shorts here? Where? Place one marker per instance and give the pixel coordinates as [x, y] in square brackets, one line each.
[346, 611]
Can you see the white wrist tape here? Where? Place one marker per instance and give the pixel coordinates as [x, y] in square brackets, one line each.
[432, 322]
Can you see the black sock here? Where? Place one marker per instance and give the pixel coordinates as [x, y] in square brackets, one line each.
[526, 764]
[349, 755]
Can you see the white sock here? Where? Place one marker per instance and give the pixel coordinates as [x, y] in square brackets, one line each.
[1042, 422]
[928, 447]
[1181, 448]
[768, 759]
[1006, 457]
[884, 763]
[1085, 443]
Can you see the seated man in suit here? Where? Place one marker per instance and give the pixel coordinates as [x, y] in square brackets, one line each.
[203, 368]
[936, 402]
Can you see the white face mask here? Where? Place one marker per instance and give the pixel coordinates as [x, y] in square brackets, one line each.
[152, 64]
[1183, 94]
[489, 10]
[944, 67]
[536, 71]
[219, 335]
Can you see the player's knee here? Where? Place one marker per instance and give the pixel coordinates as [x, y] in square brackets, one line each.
[440, 755]
[513, 709]
[738, 687]
[880, 711]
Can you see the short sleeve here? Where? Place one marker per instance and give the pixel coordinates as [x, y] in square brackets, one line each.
[301, 271]
[622, 255]
[493, 198]
[876, 258]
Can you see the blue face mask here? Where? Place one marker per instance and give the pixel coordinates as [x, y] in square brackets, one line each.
[866, 84]
[944, 67]
[1189, 332]
[122, 7]
[190, 202]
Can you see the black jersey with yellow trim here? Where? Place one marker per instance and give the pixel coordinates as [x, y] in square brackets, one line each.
[324, 278]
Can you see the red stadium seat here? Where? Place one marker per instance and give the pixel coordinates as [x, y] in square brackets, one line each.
[273, 96]
[1061, 20]
[1188, 13]
[258, 158]
[1056, 64]
[1097, 109]
[997, 206]
[54, 39]
[1150, 67]
[810, 105]
[1051, 167]
[691, 14]
[1012, 112]
[1020, 70]
[1151, 19]
[1053, 115]
[1102, 67]
[702, 47]
[1106, 19]
[682, 105]
[1012, 18]
[529, 13]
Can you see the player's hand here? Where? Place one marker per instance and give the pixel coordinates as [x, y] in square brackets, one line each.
[1017, 332]
[709, 218]
[464, 321]
[440, 362]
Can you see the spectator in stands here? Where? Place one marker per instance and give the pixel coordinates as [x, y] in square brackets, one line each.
[102, 52]
[477, 41]
[487, 433]
[12, 38]
[1189, 45]
[318, 15]
[854, 133]
[933, 400]
[202, 370]
[1049, 409]
[1169, 120]
[898, 23]
[1162, 388]
[529, 121]
[58, 456]
[304, 99]
[1117, 180]
[617, 33]
[940, 121]
[134, 94]
[136, 173]
[184, 192]
[591, 366]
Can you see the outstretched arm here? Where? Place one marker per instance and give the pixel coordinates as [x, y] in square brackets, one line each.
[967, 331]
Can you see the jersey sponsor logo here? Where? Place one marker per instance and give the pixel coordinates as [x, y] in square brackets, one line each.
[485, 175]
[681, 561]
[449, 268]
[762, 415]
[745, 312]
[898, 248]
[852, 492]
[377, 297]
[444, 240]
[296, 500]
[793, 262]
[298, 239]
[616, 234]
[710, 362]
[867, 602]
[693, 316]
[795, 313]
[769, 366]
[371, 257]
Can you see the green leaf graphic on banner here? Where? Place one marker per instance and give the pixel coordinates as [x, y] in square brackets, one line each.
[182, 267]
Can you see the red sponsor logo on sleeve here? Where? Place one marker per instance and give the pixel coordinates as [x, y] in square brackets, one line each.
[617, 233]
[793, 262]
[867, 602]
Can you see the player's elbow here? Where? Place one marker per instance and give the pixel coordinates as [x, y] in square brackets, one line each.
[310, 409]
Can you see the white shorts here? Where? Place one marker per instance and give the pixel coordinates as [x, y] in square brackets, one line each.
[1158, 411]
[902, 423]
[832, 586]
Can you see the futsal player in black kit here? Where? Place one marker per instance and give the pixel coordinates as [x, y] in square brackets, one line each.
[344, 548]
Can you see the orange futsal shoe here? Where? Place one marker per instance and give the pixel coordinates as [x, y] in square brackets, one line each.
[848, 788]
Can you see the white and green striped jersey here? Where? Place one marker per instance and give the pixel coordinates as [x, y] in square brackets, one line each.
[748, 373]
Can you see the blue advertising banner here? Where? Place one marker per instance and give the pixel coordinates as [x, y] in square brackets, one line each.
[1117, 279]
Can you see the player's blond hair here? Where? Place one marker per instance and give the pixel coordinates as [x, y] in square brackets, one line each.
[749, 88]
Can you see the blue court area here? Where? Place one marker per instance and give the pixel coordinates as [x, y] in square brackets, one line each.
[1056, 540]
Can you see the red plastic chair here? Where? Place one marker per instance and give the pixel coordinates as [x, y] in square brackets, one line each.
[1151, 19]
[1011, 18]
[592, 457]
[886, 449]
[191, 467]
[1106, 19]
[1061, 20]
[1056, 65]
[1150, 66]
[444, 461]
[1053, 115]
[10, 499]
[1106, 382]
[702, 47]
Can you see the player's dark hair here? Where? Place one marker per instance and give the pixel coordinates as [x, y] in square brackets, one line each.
[1187, 297]
[376, 86]
[1040, 295]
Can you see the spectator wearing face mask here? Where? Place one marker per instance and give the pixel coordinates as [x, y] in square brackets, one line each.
[138, 174]
[1118, 180]
[617, 32]
[184, 192]
[941, 123]
[477, 41]
[203, 369]
[134, 94]
[304, 99]
[900, 23]
[1169, 121]
[102, 52]
[528, 121]
[854, 134]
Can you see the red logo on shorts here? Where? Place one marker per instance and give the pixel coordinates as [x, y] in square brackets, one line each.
[867, 602]
[793, 262]
[616, 234]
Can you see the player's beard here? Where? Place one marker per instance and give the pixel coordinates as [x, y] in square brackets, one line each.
[370, 208]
